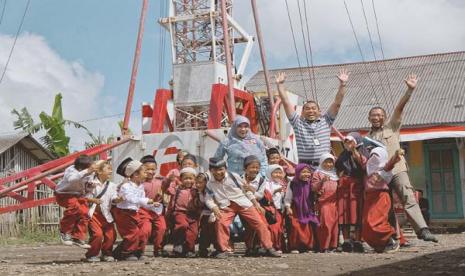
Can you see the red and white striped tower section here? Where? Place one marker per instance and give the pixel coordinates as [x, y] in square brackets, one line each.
[147, 112]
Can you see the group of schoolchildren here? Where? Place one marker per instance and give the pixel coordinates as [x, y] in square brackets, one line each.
[334, 206]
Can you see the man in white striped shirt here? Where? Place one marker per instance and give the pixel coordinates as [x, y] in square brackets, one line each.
[312, 130]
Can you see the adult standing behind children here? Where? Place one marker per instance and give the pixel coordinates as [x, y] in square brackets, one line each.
[389, 135]
[239, 144]
[312, 130]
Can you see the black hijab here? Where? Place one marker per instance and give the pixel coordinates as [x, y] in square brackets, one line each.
[346, 162]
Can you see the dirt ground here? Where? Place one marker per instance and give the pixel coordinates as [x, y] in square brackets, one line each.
[444, 258]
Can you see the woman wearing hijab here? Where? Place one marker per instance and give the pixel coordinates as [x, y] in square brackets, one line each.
[324, 182]
[350, 167]
[376, 229]
[239, 144]
[299, 207]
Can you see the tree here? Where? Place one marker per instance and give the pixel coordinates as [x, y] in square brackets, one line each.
[55, 139]
[99, 140]
[120, 124]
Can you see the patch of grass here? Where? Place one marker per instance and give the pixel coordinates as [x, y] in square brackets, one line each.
[31, 236]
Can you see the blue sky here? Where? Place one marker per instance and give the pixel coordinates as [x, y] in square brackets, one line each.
[99, 34]
[95, 41]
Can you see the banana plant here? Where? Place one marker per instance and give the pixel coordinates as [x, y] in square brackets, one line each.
[54, 139]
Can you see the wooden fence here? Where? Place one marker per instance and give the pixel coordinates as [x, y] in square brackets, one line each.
[43, 218]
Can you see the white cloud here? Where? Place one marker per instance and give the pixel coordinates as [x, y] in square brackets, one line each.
[407, 28]
[36, 73]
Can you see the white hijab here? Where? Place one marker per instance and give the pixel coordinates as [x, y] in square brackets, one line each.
[331, 173]
[377, 161]
[271, 169]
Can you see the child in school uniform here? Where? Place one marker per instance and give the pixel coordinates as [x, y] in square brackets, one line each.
[275, 158]
[101, 228]
[170, 184]
[299, 205]
[126, 213]
[184, 159]
[186, 211]
[173, 178]
[324, 183]
[207, 231]
[153, 218]
[350, 166]
[227, 198]
[254, 183]
[376, 229]
[274, 188]
[70, 194]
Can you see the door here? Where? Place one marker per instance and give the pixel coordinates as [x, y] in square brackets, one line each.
[443, 181]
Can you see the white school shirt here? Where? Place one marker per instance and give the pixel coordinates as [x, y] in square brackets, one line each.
[272, 186]
[105, 200]
[73, 182]
[133, 196]
[259, 193]
[226, 191]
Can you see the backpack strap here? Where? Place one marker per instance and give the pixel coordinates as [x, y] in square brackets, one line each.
[107, 183]
[234, 180]
[176, 197]
[260, 183]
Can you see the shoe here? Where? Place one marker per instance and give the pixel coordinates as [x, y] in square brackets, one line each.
[214, 253]
[261, 252]
[426, 235]
[271, 252]
[406, 245]
[295, 252]
[93, 259]
[66, 239]
[165, 254]
[279, 251]
[177, 249]
[347, 246]
[325, 251]
[190, 255]
[161, 253]
[203, 253]
[392, 246]
[80, 243]
[358, 247]
[131, 258]
[250, 253]
[141, 258]
[107, 259]
[223, 255]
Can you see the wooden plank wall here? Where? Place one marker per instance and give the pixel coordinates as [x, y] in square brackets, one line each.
[43, 218]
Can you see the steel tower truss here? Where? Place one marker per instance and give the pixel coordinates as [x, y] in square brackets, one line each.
[198, 56]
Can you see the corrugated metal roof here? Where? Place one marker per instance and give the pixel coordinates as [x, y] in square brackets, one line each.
[28, 143]
[9, 140]
[438, 100]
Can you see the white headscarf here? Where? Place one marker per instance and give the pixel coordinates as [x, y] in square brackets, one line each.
[332, 173]
[377, 161]
[188, 170]
[132, 167]
[271, 169]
